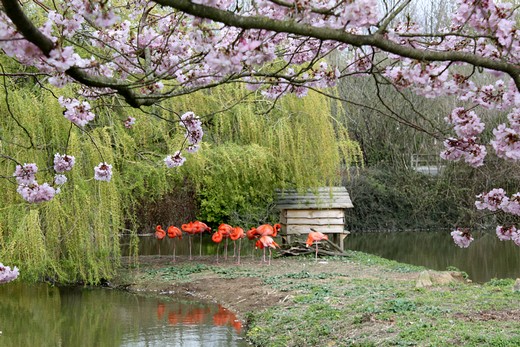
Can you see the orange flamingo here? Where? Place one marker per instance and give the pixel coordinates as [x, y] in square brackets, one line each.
[217, 238]
[237, 234]
[199, 228]
[315, 237]
[159, 235]
[225, 230]
[174, 232]
[268, 230]
[266, 242]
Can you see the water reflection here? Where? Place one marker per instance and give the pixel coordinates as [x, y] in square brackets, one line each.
[486, 258]
[41, 315]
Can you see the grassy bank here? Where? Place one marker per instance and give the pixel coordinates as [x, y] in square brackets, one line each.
[359, 300]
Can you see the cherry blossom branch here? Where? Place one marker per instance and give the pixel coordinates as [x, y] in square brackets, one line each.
[26, 27]
[377, 40]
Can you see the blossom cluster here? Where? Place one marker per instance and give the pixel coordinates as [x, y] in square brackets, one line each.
[497, 199]
[508, 233]
[103, 172]
[33, 192]
[467, 126]
[77, 112]
[194, 133]
[462, 237]
[7, 274]
[28, 187]
[507, 139]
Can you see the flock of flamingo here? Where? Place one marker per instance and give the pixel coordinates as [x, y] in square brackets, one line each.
[263, 235]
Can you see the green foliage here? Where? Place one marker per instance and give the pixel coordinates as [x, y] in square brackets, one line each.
[501, 282]
[234, 183]
[298, 144]
[389, 198]
[74, 237]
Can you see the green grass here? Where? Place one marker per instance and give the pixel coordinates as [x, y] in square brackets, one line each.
[339, 311]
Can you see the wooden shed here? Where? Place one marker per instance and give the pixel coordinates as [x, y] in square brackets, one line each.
[321, 209]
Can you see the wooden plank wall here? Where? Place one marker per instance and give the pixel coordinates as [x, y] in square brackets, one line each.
[295, 222]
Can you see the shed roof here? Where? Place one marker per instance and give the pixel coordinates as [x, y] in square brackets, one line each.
[318, 198]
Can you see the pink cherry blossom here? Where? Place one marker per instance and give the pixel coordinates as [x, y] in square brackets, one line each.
[174, 160]
[129, 122]
[511, 205]
[60, 179]
[505, 233]
[63, 163]
[491, 200]
[467, 148]
[26, 173]
[7, 274]
[35, 193]
[462, 237]
[103, 172]
[466, 123]
[190, 121]
[506, 142]
[77, 112]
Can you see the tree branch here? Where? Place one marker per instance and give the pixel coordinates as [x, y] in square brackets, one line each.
[377, 40]
[30, 32]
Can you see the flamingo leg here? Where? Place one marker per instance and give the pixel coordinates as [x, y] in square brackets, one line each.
[239, 243]
[269, 257]
[316, 251]
[173, 251]
[159, 248]
[190, 246]
[225, 254]
[218, 246]
[200, 246]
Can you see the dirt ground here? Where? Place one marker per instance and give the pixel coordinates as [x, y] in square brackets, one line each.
[244, 290]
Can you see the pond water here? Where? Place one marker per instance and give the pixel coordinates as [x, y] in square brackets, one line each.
[486, 258]
[42, 315]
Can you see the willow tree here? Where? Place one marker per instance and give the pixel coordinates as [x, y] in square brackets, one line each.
[74, 236]
[259, 146]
